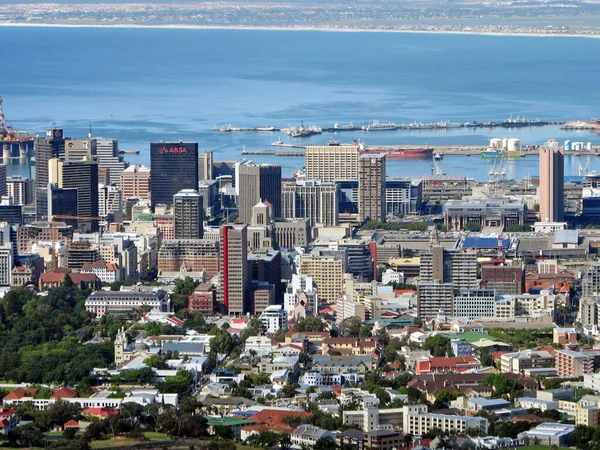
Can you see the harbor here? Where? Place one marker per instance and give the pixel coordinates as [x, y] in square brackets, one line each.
[376, 125]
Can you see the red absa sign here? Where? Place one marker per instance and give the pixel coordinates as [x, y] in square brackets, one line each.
[173, 150]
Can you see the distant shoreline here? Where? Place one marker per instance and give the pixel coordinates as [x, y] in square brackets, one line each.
[294, 28]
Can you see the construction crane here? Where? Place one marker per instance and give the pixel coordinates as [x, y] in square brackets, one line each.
[61, 216]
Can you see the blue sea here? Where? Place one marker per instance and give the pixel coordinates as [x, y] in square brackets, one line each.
[143, 85]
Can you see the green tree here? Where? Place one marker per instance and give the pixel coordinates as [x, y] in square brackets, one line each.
[325, 443]
[351, 326]
[472, 227]
[310, 324]
[438, 345]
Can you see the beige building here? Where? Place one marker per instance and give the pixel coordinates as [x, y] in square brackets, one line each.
[551, 189]
[135, 182]
[329, 163]
[346, 308]
[372, 418]
[417, 421]
[327, 273]
[312, 200]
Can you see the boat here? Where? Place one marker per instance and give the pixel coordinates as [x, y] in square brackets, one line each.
[129, 152]
[379, 126]
[419, 126]
[491, 151]
[438, 156]
[517, 122]
[349, 127]
[333, 142]
[302, 131]
[442, 125]
[473, 124]
[265, 128]
[400, 152]
[514, 154]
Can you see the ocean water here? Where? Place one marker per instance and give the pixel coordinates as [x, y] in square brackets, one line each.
[143, 85]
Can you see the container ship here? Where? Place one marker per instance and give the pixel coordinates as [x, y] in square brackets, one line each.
[400, 152]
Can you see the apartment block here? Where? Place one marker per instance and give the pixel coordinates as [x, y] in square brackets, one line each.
[573, 364]
[417, 421]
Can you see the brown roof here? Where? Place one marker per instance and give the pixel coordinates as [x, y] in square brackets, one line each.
[77, 278]
[274, 417]
[64, 392]
[20, 392]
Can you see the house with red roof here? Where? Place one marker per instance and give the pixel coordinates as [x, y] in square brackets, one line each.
[50, 280]
[100, 412]
[446, 364]
[21, 393]
[63, 392]
[8, 420]
[272, 420]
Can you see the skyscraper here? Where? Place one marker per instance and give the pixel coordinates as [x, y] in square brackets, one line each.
[107, 151]
[54, 201]
[189, 214]
[312, 200]
[205, 166]
[174, 167]
[80, 149]
[552, 183]
[256, 184]
[83, 176]
[234, 277]
[330, 163]
[52, 146]
[20, 189]
[135, 182]
[371, 187]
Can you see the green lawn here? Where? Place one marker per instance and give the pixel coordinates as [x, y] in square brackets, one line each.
[123, 441]
[541, 447]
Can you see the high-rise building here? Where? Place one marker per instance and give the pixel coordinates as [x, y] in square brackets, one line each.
[135, 182]
[174, 167]
[189, 214]
[434, 298]
[6, 255]
[258, 183]
[327, 273]
[107, 151]
[552, 184]
[445, 266]
[80, 149]
[191, 255]
[205, 166]
[371, 187]
[52, 146]
[54, 201]
[83, 176]
[310, 200]
[110, 200]
[234, 276]
[330, 163]
[403, 196]
[20, 189]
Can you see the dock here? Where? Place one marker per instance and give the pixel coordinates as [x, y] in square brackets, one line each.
[272, 153]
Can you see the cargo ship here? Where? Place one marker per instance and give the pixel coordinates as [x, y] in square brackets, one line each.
[376, 125]
[400, 152]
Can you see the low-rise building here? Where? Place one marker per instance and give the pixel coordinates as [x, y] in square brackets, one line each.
[517, 362]
[537, 403]
[308, 435]
[103, 302]
[570, 363]
[382, 440]
[549, 434]
[446, 364]
[417, 421]
[274, 318]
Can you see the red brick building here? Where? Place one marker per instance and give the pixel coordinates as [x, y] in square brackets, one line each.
[202, 299]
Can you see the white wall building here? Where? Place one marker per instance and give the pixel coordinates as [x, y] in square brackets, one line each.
[274, 318]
